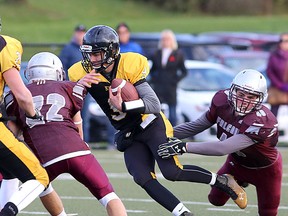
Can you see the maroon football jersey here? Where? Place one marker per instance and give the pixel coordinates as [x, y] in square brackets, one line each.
[56, 135]
[260, 125]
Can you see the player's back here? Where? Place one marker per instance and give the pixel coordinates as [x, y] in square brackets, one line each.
[56, 135]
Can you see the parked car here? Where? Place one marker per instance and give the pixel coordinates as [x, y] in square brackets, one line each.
[257, 40]
[197, 89]
[193, 47]
[239, 60]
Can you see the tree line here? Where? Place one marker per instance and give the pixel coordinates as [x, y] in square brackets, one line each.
[223, 7]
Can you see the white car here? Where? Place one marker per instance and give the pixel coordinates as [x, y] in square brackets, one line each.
[196, 90]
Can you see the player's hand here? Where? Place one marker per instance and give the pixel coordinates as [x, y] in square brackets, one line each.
[90, 78]
[37, 119]
[37, 116]
[116, 100]
[174, 146]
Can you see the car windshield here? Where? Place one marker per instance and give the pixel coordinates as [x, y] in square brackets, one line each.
[205, 80]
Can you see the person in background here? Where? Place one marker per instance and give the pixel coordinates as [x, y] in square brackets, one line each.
[69, 55]
[167, 70]
[247, 133]
[58, 139]
[277, 72]
[16, 159]
[140, 123]
[126, 45]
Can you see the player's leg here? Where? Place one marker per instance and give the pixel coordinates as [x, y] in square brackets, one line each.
[173, 170]
[268, 187]
[7, 189]
[89, 172]
[52, 202]
[140, 164]
[17, 159]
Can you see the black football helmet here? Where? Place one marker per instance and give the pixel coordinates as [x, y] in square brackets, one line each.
[103, 39]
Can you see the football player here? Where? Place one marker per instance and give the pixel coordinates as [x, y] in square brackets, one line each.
[248, 133]
[57, 139]
[15, 158]
[141, 125]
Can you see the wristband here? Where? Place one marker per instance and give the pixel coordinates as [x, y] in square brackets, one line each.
[133, 106]
[36, 116]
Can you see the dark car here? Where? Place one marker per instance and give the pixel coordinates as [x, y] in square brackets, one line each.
[193, 46]
[257, 40]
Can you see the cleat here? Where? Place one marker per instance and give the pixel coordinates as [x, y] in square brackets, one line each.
[186, 214]
[227, 183]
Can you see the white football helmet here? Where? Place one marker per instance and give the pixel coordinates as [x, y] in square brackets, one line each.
[44, 66]
[250, 82]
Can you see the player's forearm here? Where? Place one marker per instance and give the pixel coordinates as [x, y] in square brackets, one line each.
[149, 98]
[189, 129]
[219, 148]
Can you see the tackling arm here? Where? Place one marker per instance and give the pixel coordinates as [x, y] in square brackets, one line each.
[175, 146]
[188, 129]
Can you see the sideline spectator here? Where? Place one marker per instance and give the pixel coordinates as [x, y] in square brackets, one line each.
[167, 70]
[126, 45]
[277, 72]
[69, 55]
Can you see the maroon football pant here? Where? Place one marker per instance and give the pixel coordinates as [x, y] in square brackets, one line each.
[266, 180]
[86, 170]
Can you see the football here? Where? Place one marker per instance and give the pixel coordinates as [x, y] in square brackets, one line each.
[128, 91]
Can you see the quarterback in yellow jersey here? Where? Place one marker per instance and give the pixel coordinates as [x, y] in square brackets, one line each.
[141, 125]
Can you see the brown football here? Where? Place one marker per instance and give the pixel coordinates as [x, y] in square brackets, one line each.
[128, 91]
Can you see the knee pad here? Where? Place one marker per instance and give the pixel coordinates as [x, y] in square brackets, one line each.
[48, 190]
[107, 198]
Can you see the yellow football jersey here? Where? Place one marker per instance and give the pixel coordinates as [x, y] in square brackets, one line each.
[10, 56]
[131, 67]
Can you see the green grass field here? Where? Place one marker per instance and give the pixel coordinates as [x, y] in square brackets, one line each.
[78, 200]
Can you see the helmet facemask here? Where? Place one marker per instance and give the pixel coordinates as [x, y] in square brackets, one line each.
[244, 100]
[107, 57]
[100, 48]
[248, 91]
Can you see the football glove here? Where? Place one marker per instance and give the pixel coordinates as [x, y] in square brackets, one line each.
[174, 146]
[37, 115]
